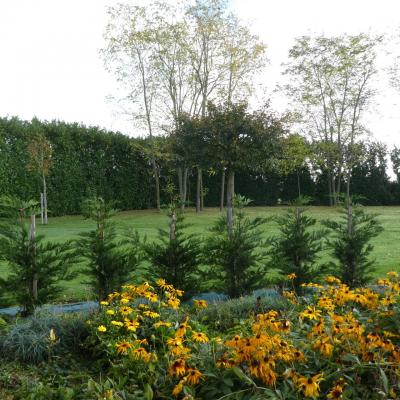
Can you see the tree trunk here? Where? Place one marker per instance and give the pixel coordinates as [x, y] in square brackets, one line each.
[334, 195]
[348, 185]
[45, 199]
[221, 204]
[157, 182]
[349, 218]
[41, 208]
[198, 190]
[330, 189]
[230, 192]
[32, 237]
[201, 192]
[180, 184]
[182, 181]
[185, 181]
[172, 227]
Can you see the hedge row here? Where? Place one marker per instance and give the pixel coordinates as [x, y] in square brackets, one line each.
[90, 161]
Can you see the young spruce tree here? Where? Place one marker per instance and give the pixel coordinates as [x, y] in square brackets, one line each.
[176, 255]
[295, 250]
[110, 261]
[36, 266]
[351, 245]
[233, 254]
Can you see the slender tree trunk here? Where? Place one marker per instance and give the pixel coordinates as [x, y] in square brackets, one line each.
[41, 208]
[348, 185]
[185, 182]
[334, 194]
[221, 204]
[330, 189]
[182, 180]
[32, 238]
[198, 190]
[201, 192]
[45, 199]
[180, 184]
[172, 227]
[230, 192]
[157, 182]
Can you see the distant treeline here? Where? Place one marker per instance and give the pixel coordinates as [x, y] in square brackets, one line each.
[88, 161]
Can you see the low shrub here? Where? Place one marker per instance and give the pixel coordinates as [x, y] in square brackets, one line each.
[36, 338]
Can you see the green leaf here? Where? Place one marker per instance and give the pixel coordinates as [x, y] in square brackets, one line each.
[148, 392]
[384, 380]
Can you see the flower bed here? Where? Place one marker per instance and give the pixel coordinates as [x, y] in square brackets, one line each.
[338, 343]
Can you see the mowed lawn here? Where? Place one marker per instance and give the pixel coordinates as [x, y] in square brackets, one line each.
[147, 222]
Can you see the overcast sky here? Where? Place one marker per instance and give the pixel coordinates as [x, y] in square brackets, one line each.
[50, 65]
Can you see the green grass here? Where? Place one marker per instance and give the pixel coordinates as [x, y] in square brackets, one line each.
[386, 245]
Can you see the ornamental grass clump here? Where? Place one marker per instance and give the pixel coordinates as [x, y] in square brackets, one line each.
[339, 343]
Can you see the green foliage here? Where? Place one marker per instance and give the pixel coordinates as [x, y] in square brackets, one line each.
[295, 250]
[86, 161]
[238, 139]
[225, 315]
[176, 256]
[233, 254]
[110, 261]
[351, 245]
[36, 266]
[28, 340]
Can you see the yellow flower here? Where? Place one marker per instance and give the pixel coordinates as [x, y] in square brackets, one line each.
[200, 303]
[311, 313]
[52, 335]
[125, 310]
[131, 324]
[337, 390]
[178, 388]
[162, 323]
[164, 285]
[123, 347]
[110, 312]
[124, 301]
[291, 276]
[324, 345]
[309, 386]
[117, 323]
[181, 331]
[199, 337]
[174, 342]
[151, 314]
[332, 279]
[178, 292]
[104, 303]
[178, 367]
[141, 354]
[193, 377]
[173, 302]
[151, 296]
[101, 328]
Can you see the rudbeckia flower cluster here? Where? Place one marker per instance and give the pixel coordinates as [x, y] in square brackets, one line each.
[334, 342]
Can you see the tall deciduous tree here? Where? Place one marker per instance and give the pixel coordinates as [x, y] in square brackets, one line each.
[40, 161]
[331, 87]
[129, 55]
[188, 53]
